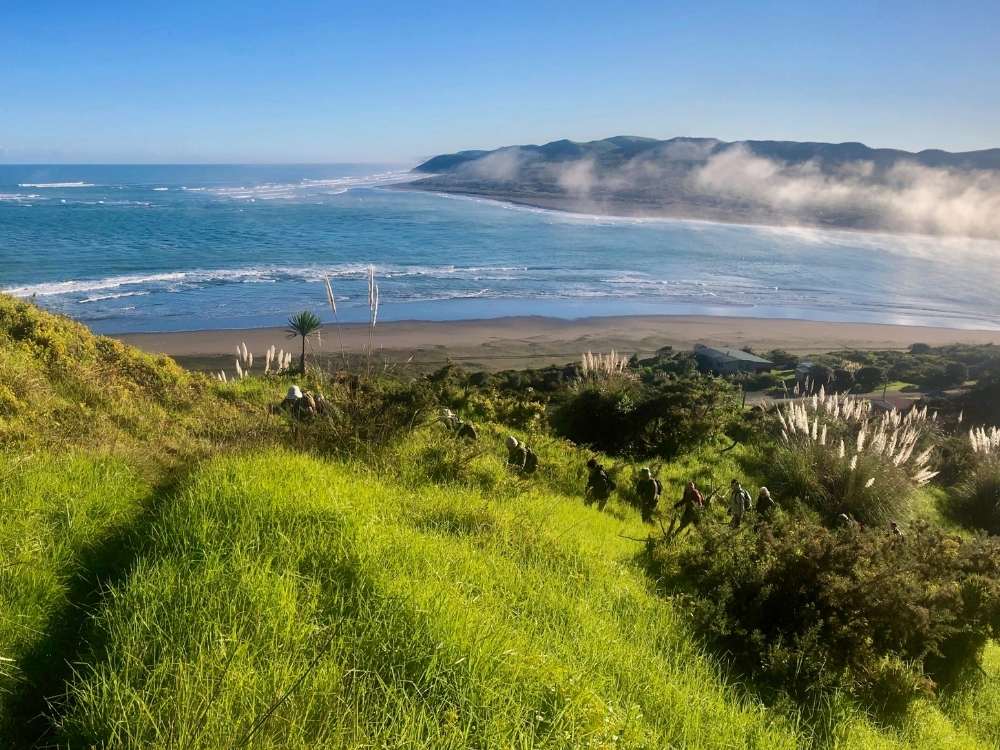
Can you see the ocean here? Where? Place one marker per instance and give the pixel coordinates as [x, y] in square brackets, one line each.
[167, 248]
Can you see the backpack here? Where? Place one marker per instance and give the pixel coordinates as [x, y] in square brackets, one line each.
[747, 503]
[530, 461]
[604, 485]
[659, 487]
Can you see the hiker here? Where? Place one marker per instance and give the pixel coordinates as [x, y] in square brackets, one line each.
[296, 403]
[530, 461]
[739, 503]
[765, 504]
[693, 503]
[517, 454]
[458, 426]
[895, 532]
[599, 485]
[520, 456]
[449, 420]
[648, 489]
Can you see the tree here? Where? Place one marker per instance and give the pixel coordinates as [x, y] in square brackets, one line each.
[782, 359]
[956, 373]
[843, 380]
[305, 324]
[869, 378]
[821, 377]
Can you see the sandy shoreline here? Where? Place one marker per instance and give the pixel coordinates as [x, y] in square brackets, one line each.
[518, 342]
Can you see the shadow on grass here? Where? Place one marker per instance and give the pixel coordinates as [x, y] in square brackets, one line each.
[28, 716]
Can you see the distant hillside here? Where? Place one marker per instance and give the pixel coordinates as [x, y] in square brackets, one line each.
[846, 185]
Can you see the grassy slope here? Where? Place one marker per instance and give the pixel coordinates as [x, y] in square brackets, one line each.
[434, 617]
[437, 603]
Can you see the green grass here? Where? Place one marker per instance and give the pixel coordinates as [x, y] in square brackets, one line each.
[64, 520]
[431, 618]
[428, 616]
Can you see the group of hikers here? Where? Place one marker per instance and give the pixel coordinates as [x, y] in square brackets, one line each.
[600, 485]
[648, 489]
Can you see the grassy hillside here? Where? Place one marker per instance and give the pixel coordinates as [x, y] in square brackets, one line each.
[210, 579]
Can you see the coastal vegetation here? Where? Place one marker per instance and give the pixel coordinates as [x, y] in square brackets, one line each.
[185, 564]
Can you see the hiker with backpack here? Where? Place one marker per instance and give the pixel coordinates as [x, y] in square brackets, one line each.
[599, 485]
[766, 506]
[693, 503]
[648, 488]
[739, 503]
[520, 457]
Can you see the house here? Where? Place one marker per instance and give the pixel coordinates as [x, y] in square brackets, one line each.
[725, 361]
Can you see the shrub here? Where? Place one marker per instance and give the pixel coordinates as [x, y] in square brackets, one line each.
[976, 502]
[664, 419]
[363, 415]
[805, 609]
[761, 381]
[869, 378]
[782, 359]
[820, 376]
[956, 373]
[602, 418]
[519, 411]
[843, 380]
[956, 460]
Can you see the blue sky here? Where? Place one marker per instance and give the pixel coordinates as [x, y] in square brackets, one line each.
[396, 81]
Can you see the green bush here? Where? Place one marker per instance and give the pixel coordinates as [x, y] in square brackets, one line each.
[956, 460]
[363, 415]
[869, 378]
[664, 419]
[807, 610]
[520, 411]
[976, 502]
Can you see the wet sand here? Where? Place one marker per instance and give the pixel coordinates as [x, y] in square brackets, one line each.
[518, 342]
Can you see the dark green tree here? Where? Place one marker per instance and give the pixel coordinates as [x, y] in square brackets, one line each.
[869, 378]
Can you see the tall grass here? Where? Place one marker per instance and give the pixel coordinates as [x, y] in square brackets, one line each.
[838, 455]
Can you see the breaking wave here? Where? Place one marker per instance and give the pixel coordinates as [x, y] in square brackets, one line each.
[55, 184]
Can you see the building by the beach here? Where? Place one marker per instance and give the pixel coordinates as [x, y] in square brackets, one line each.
[726, 361]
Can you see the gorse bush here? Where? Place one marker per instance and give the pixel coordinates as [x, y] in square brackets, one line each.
[809, 610]
[522, 412]
[664, 418]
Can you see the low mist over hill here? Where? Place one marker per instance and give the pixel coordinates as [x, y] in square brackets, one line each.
[846, 185]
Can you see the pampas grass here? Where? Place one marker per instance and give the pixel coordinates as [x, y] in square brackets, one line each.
[603, 366]
[891, 435]
[985, 440]
[841, 455]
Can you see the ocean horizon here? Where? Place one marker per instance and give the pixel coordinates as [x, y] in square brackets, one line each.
[133, 248]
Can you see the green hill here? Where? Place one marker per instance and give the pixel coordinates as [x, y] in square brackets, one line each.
[182, 570]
